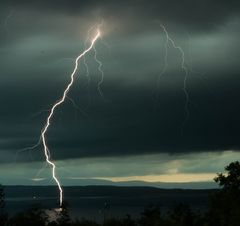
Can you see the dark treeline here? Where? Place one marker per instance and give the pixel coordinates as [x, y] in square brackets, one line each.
[223, 210]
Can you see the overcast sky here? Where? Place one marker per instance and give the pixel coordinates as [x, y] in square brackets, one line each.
[143, 128]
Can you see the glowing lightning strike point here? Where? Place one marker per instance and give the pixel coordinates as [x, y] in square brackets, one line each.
[59, 102]
[184, 67]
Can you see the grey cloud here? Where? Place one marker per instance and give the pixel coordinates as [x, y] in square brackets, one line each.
[143, 165]
[132, 121]
[199, 15]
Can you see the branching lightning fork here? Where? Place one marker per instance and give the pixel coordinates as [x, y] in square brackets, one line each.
[58, 103]
[44, 131]
[183, 65]
[99, 63]
[101, 72]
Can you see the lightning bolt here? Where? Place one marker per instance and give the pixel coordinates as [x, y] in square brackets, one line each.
[58, 103]
[183, 66]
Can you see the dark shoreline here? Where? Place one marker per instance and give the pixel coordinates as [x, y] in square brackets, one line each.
[90, 200]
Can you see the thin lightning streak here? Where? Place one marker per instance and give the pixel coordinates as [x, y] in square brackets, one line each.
[86, 66]
[107, 45]
[38, 113]
[88, 82]
[40, 171]
[100, 70]
[27, 149]
[164, 66]
[87, 71]
[184, 68]
[97, 26]
[76, 106]
[97, 61]
[8, 17]
[59, 102]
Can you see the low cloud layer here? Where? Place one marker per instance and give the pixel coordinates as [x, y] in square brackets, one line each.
[148, 168]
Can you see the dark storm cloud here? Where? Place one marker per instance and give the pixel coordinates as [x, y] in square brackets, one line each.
[196, 14]
[133, 123]
[131, 120]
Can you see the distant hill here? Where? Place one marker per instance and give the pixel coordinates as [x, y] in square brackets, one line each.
[98, 191]
[86, 182]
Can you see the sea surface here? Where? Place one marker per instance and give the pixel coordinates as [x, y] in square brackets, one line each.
[97, 202]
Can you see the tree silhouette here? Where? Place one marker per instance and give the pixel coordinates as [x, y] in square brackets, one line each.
[84, 222]
[128, 221]
[225, 204]
[231, 181]
[3, 214]
[34, 216]
[181, 215]
[151, 216]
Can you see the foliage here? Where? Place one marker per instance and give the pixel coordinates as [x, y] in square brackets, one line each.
[224, 206]
[34, 216]
[181, 215]
[231, 181]
[151, 216]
